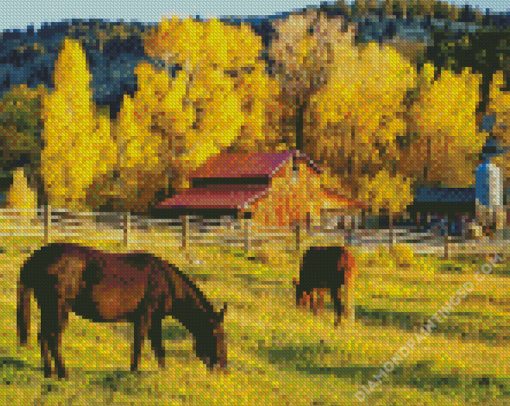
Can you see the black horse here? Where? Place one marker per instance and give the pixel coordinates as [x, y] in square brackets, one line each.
[105, 287]
[325, 268]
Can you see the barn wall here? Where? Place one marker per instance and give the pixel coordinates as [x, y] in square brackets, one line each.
[287, 202]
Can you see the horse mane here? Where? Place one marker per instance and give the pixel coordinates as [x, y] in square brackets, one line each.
[44, 257]
[196, 293]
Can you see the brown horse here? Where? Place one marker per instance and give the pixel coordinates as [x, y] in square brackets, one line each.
[325, 268]
[104, 287]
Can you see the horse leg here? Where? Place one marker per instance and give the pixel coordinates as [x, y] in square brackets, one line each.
[45, 353]
[155, 336]
[350, 307]
[141, 327]
[321, 299]
[337, 303]
[313, 301]
[56, 340]
[299, 294]
[48, 328]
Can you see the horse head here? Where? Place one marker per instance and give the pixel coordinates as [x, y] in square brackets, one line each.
[213, 350]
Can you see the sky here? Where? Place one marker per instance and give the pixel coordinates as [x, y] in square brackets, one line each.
[19, 14]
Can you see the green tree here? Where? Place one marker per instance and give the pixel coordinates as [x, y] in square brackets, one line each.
[21, 144]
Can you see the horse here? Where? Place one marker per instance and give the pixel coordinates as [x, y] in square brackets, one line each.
[325, 268]
[138, 287]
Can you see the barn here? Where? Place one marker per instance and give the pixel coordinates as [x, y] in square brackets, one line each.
[242, 185]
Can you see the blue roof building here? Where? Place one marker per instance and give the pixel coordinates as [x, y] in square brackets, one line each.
[456, 202]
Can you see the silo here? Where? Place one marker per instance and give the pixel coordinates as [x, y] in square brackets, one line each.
[489, 188]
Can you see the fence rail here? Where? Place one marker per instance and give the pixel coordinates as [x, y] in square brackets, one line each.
[51, 224]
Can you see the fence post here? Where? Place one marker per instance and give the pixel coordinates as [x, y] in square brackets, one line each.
[126, 229]
[463, 228]
[298, 237]
[185, 231]
[47, 223]
[352, 228]
[391, 230]
[247, 221]
[447, 231]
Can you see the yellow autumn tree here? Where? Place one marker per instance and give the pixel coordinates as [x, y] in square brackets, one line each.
[499, 106]
[78, 146]
[354, 121]
[387, 193]
[307, 46]
[142, 154]
[444, 120]
[217, 100]
[261, 104]
[20, 196]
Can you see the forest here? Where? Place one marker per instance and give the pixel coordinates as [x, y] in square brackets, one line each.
[116, 116]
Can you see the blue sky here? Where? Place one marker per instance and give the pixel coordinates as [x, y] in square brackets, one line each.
[21, 13]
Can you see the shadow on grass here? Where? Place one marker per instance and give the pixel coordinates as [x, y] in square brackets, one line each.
[422, 375]
[174, 333]
[120, 381]
[14, 371]
[465, 326]
[303, 358]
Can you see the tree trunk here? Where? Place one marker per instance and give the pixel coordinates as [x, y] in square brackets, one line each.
[426, 170]
[300, 126]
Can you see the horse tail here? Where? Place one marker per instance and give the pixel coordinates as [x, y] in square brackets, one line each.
[349, 265]
[23, 313]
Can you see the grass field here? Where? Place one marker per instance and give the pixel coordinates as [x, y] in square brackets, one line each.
[278, 354]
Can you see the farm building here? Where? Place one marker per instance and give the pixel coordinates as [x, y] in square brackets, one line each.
[271, 188]
[6, 181]
[467, 203]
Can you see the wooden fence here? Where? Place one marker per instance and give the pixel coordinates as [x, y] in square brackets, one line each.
[56, 224]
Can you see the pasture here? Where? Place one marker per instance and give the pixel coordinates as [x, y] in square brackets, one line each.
[279, 354]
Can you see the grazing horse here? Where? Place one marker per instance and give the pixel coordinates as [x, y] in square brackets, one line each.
[325, 268]
[105, 287]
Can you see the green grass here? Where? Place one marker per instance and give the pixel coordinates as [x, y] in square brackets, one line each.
[279, 354]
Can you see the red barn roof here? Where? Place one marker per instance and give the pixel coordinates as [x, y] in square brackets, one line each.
[239, 165]
[216, 197]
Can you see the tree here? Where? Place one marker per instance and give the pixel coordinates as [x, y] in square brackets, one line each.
[20, 196]
[354, 121]
[304, 54]
[499, 107]
[78, 146]
[228, 99]
[343, 7]
[387, 193]
[143, 163]
[21, 124]
[444, 117]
